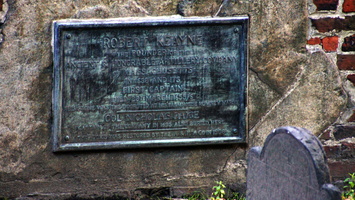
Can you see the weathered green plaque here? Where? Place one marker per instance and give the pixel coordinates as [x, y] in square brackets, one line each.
[128, 83]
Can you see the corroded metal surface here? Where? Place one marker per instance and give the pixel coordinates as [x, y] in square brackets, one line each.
[130, 83]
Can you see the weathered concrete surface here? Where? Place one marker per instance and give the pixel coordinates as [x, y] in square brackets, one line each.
[286, 87]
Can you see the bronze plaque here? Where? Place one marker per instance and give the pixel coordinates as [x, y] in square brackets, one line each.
[128, 83]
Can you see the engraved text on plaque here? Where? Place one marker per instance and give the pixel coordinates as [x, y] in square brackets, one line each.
[126, 84]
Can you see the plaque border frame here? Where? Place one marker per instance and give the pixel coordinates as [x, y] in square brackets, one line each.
[59, 25]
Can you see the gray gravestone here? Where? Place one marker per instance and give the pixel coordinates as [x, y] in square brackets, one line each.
[291, 165]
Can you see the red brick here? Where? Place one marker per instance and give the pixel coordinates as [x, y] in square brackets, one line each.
[341, 169]
[352, 117]
[346, 62]
[349, 43]
[326, 4]
[314, 41]
[341, 132]
[330, 43]
[347, 24]
[341, 151]
[1, 3]
[332, 151]
[347, 150]
[349, 6]
[327, 24]
[351, 78]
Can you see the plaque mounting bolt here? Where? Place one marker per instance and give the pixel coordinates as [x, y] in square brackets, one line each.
[66, 138]
[235, 131]
[68, 36]
[236, 30]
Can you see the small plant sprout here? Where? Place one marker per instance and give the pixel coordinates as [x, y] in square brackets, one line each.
[218, 191]
[349, 188]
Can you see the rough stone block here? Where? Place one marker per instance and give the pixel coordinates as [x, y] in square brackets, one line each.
[285, 75]
[180, 191]
[146, 193]
[291, 165]
[322, 82]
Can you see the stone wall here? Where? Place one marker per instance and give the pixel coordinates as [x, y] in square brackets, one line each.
[288, 85]
[333, 30]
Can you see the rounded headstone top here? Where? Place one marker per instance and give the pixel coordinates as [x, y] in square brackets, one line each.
[291, 165]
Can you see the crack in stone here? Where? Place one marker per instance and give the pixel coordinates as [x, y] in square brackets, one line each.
[224, 168]
[226, 162]
[262, 80]
[224, 2]
[287, 94]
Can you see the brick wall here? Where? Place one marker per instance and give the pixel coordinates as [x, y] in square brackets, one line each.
[333, 30]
